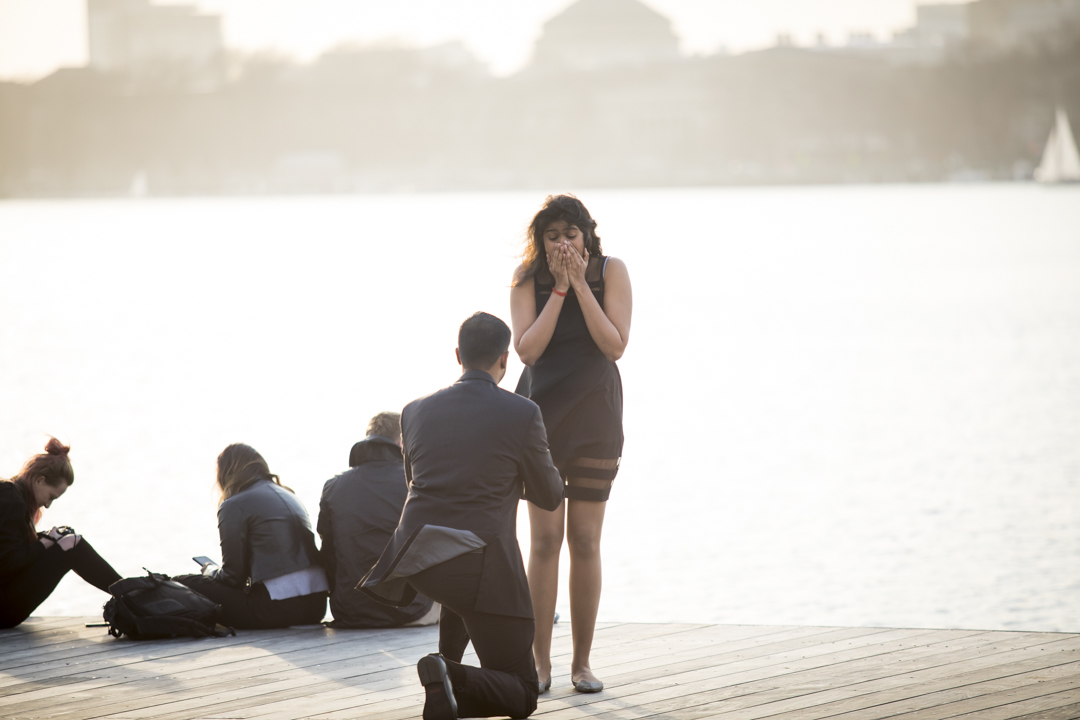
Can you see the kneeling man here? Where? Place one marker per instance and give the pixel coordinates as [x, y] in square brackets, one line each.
[470, 451]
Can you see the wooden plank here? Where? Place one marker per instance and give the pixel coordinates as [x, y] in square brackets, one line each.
[1014, 710]
[102, 686]
[234, 697]
[1065, 712]
[762, 662]
[687, 672]
[319, 648]
[757, 706]
[625, 636]
[109, 650]
[872, 693]
[350, 700]
[406, 707]
[112, 651]
[987, 696]
[19, 638]
[753, 685]
[866, 700]
[403, 710]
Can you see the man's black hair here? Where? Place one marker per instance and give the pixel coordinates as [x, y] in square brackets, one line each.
[481, 340]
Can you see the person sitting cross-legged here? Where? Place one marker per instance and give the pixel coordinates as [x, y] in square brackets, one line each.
[358, 513]
[269, 575]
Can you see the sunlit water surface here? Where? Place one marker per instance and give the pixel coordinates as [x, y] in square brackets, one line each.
[844, 406]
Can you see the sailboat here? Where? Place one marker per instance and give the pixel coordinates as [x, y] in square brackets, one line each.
[1060, 160]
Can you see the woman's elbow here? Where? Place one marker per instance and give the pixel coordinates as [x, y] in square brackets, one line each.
[614, 353]
[526, 357]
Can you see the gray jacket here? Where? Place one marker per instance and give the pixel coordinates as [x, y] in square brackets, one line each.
[265, 533]
[358, 513]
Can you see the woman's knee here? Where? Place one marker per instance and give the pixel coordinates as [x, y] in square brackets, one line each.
[546, 544]
[546, 538]
[584, 542]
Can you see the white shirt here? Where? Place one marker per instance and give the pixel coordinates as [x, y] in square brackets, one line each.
[302, 582]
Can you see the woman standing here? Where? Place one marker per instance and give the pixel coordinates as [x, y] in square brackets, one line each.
[31, 563]
[269, 575]
[571, 308]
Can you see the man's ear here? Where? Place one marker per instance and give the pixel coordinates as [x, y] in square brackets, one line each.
[457, 354]
[504, 359]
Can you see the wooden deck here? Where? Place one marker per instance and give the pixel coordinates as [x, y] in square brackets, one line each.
[56, 668]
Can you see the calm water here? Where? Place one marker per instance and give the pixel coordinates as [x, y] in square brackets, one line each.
[851, 406]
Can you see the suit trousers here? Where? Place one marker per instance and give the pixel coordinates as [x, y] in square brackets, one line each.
[506, 681]
[21, 593]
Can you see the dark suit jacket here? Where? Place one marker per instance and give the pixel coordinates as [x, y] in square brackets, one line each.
[472, 450]
[358, 513]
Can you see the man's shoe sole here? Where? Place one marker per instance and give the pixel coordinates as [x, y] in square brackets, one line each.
[437, 705]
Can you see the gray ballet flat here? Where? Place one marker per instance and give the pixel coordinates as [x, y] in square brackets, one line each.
[544, 686]
[588, 686]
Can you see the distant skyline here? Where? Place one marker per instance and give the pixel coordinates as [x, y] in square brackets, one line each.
[38, 36]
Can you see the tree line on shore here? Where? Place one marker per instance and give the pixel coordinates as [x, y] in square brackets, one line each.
[385, 119]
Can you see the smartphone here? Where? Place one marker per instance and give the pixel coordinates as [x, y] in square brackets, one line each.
[203, 560]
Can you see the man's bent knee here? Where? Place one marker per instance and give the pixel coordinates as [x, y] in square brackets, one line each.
[528, 706]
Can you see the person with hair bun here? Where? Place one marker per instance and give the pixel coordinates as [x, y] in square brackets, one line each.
[571, 308]
[33, 563]
[269, 575]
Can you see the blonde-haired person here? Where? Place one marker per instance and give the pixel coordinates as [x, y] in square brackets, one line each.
[32, 563]
[269, 575]
[358, 514]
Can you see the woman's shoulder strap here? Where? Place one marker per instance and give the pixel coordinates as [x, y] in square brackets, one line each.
[594, 272]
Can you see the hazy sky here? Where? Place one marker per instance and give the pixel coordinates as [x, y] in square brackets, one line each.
[36, 36]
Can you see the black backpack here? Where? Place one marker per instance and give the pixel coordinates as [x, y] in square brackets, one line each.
[156, 606]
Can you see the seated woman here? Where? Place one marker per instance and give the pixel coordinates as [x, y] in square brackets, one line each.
[32, 563]
[269, 575]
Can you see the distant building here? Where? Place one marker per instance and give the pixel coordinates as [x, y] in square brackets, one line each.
[135, 38]
[1011, 24]
[601, 34]
[938, 28]
[863, 41]
[941, 25]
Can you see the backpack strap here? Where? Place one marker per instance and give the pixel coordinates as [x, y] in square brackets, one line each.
[179, 626]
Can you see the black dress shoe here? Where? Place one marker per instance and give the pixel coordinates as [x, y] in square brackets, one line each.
[440, 703]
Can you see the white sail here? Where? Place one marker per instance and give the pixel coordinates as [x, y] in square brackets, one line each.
[1060, 160]
[139, 185]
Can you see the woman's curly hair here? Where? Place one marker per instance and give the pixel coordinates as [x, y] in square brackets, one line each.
[555, 208]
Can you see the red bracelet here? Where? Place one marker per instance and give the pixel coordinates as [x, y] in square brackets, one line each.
[560, 294]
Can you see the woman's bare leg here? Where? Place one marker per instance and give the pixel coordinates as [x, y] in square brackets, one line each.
[546, 533]
[584, 522]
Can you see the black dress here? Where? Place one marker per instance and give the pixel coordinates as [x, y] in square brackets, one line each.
[579, 392]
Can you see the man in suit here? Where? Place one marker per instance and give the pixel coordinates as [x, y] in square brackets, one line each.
[358, 512]
[471, 452]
